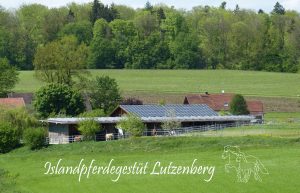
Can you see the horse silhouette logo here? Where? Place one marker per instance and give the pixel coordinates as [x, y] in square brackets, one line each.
[244, 165]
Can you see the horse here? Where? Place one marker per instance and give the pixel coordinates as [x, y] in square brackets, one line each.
[109, 136]
[243, 164]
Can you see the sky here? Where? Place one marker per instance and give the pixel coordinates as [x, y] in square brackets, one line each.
[266, 5]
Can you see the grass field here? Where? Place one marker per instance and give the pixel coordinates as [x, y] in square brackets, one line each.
[279, 156]
[249, 83]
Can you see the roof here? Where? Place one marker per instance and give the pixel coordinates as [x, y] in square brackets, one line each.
[180, 110]
[255, 107]
[219, 102]
[12, 102]
[28, 97]
[152, 119]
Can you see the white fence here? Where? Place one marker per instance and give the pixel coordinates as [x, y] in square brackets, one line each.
[174, 132]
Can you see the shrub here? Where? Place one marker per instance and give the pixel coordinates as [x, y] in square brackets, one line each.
[88, 128]
[20, 118]
[133, 125]
[238, 105]
[9, 137]
[35, 138]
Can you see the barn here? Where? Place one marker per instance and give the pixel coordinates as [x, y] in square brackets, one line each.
[63, 130]
[220, 102]
[12, 103]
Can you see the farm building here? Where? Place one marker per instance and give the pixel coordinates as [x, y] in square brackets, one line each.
[220, 102]
[12, 103]
[61, 130]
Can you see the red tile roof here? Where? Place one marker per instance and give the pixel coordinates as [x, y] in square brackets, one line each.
[219, 102]
[12, 102]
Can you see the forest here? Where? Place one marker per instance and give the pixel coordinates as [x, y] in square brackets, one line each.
[98, 36]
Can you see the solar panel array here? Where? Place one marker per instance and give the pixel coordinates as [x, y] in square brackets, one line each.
[179, 110]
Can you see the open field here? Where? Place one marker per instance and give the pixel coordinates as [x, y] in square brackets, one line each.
[279, 156]
[249, 83]
[277, 124]
[273, 130]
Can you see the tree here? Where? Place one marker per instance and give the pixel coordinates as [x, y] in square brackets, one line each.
[82, 12]
[260, 11]
[161, 15]
[58, 98]
[125, 12]
[100, 10]
[148, 6]
[123, 33]
[148, 52]
[102, 53]
[88, 128]
[54, 21]
[238, 105]
[104, 93]
[8, 77]
[133, 125]
[95, 14]
[223, 5]
[278, 9]
[61, 60]
[237, 9]
[146, 23]
[185, 52]
[82, 30]
[70, 16]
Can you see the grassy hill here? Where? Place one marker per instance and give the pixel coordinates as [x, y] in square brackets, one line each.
[248, 83]
[279, 155]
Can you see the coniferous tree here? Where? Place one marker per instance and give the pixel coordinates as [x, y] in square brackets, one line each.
[238, 105]
[70, 16]
[278, 9]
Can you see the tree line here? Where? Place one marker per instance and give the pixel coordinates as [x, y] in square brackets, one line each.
[94, 35]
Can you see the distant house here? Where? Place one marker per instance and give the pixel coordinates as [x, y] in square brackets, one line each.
[12, 103]
[220, 102]
[28, 97]
[61, 130]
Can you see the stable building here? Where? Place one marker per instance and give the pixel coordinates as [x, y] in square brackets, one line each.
[63, 130]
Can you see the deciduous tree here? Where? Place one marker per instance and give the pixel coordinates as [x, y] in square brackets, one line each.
[8, 77]
[104, 93]
[58, 99]
[61, 60]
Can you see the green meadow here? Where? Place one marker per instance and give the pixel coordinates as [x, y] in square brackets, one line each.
[248, 83]
[276, 144]
[280, 156]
